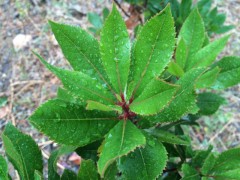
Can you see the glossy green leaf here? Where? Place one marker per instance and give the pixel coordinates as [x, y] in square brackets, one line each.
[81, 50]
[200, 156]
[88, 171]
[145, 163]
[52, 161]
[3, 101]
[93, 105]
[38, 175]
[81, 85]
[65, 95]
[154, 97]
[115, 50]
[208, 78]
[189, 173]
[167, 137]
[152, 51]
[175, 69]
[209, 103]
[89, 151]
[22, 152]
[229, 74]
[184, 101]
[71, 124]
[181, 53]
[3, 169]
[208, 164]
[208, 54]
[68, 175]
[192, 32]
[121, 140]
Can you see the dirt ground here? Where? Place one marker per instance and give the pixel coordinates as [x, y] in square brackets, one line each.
[27, 84]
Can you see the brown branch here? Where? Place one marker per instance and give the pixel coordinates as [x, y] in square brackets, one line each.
[120, 7]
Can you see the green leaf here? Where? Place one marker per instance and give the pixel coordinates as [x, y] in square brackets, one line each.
[115, 50]
[192, 32]
[121, 140]
[38, 175]
[22, 152]
[208, 78]
[208, 164]
[88, 171]
[3, 101]
[89, 151]
[184, 101]
[81, 50]
[181, 53]
[175, 69]
[227, 161]
[154, 97]
[93, 105]
[209, 103]
[95, 20]
[52, 161]
[144, 163]
[81, 85]
[200, 156]
[185, 8]
[65, 95]
[165, 136]
[68, 175]
[152, 51]
[70, 124]
[111, 172]
[3, 169]
[229, 74]
[208, 54]
[189, 173]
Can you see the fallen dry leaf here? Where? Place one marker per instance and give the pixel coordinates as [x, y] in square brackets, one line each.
[75, 158]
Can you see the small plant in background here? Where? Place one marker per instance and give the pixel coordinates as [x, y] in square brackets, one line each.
[122, 107]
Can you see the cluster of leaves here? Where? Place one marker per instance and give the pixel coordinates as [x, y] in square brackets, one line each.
[122, 107]
[213, 21]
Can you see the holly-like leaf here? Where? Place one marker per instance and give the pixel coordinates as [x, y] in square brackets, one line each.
[68, 175]
[209, 103]
[121, 140]
[3, 169]
[22, 152]
[189, 173]
[207, 54]
[175, 69]
[167, 137]
[52, 161]
[115, 50]
[88, 170]
[229, 74]
[65, 95]
[208, 78]
[152, 51]
[81, 50]
[140, 163]
[184, 100]
[181, 53]
[93, 105]
[81, 85]
[154, 97]
[71, 124]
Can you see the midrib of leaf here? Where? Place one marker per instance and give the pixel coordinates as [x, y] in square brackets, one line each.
[144, 162]
[101, 76]
[123, 134]
[149, 59]
[21, 156]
